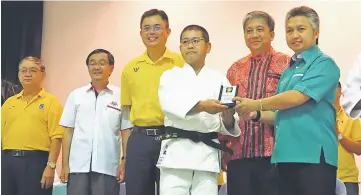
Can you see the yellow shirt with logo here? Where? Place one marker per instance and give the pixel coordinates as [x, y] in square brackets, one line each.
[347, 170]
[30, 126]
[139, 87]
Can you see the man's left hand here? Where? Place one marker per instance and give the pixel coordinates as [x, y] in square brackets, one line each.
[48, 178]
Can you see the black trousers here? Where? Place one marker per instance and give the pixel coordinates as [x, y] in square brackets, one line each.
[141, 173]
[307, 179]
[252, 176]
[21, 175]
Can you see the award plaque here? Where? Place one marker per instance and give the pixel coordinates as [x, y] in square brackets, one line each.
[226, 94]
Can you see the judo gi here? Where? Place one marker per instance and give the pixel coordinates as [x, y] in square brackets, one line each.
[187, 167]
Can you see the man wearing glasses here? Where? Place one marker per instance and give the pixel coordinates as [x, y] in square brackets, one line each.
[139, 85]
[93, 121]
[30, 134]
[189, 160]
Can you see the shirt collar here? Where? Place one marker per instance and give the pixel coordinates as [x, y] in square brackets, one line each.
[91, 87]
[145, 57]
[42, 93]
[270, 52]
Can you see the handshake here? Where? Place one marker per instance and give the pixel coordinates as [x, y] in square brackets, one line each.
[245, 108]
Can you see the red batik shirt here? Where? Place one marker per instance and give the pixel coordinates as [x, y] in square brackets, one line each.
[257, 77]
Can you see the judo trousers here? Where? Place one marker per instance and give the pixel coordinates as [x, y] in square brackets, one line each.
[187, 182]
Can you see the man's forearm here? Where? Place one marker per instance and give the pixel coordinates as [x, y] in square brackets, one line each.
[68, 136]
[285, 100]
[125, 135]
[267, 117]
[350, 145]
[54, 150]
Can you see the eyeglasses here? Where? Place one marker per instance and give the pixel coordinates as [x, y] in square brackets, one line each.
[100, 63]
[30, 70]
[156, 28]
[194, 41]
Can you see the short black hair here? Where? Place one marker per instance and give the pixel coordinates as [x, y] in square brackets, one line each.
[205, 34]
[110, 56]
[339, 85]
[155, 12]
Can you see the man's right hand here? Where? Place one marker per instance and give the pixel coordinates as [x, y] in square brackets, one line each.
[64, 174]
[212, 106]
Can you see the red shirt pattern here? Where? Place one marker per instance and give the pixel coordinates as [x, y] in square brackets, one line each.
[257, 77]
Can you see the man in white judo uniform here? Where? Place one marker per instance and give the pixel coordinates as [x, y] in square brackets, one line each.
[190, 155]
[351, 100]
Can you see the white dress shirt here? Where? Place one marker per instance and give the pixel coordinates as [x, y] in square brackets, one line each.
[97, 122]
[352, 91]
[180, 90]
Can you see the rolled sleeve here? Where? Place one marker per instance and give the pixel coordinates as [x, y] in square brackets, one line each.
[319, 79]
[68, 117]
[125, 89]
[352, 91]
[55, 112]
[235, 131]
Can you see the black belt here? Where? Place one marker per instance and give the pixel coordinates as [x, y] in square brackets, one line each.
[206, 138]
[150, 131]
[25, 153]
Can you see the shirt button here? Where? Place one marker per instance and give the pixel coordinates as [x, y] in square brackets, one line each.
[276, 126]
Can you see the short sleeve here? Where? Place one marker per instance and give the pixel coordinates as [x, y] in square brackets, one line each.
[319, 79]
[54, 115]
[125, 120]
[68, 117]
[356, 130]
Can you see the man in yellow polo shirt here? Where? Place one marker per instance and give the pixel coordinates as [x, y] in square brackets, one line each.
[139, 93]
[30, 135]
[349, 139]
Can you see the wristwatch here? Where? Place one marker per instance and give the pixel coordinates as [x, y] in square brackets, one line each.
[339, 136]
[51, 165]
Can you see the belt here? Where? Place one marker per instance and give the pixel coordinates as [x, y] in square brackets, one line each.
[150, 131]
[206, 138]
[25, 153]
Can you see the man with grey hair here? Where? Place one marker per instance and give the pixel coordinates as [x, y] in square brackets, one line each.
[306, 143]
[30, 135]
[249, 170]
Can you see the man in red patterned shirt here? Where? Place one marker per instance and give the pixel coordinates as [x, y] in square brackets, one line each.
[249, 170]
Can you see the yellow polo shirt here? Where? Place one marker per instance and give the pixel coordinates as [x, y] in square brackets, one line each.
[139, 87]
[347, 170]
[30, 126]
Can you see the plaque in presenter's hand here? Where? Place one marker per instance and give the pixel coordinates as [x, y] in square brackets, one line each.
[226, 94]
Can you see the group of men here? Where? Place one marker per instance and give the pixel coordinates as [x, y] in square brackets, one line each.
[279, 138]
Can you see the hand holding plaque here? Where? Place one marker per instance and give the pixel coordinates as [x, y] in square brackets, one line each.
[226, 95]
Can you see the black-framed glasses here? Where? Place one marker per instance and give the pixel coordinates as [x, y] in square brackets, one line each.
[194, 41]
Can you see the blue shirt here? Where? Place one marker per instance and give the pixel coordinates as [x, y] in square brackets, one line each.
[302, 131]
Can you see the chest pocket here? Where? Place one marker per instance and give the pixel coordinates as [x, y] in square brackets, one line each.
[113, 116]
[271, 84]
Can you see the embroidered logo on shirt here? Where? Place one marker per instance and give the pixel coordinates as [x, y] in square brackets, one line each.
[136, 69]
[41, 106]
[113, 105]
